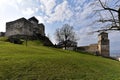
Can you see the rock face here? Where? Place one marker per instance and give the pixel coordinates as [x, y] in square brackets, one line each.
[24, 27]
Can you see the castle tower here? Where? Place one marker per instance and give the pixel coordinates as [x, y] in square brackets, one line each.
[33, 20]
[103, 44]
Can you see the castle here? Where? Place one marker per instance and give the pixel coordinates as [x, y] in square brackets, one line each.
[30, 28]
[100, 48]
[24, 27]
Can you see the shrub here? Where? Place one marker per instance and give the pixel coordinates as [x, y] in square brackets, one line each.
[3, 38]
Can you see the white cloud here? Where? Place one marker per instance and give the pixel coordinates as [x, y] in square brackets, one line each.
[50, 11]
[42, 8]
[8, 12]
[85, 37]
[19, 1]
[48, 5]
[41, 19]
[12, 3]
[2, 2]
[62, 12]
[87, 10]
[28, 11]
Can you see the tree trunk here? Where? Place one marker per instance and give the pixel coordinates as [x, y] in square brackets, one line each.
[26, 40]
[65, 44]
[119, 17]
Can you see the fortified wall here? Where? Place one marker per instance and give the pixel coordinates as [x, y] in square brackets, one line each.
[22, 26]
[92, 48]
[101, 48]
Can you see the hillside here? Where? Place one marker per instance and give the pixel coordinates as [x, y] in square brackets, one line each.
[36, 62]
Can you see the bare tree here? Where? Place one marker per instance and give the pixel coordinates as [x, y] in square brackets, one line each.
[65, 34]
[115, 22]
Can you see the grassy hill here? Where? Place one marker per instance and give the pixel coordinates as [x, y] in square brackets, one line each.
[36, 62]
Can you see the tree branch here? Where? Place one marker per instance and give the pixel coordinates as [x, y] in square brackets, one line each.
[107, 8]
[109, 20]
[113, 17]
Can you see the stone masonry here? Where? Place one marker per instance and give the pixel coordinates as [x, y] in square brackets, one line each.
[25, 27]
[101, 48]
[103, 44]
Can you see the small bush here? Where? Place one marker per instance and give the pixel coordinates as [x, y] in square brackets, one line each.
[15, 40]
[3, 38]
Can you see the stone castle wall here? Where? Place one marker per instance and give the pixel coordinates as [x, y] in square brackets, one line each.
[92, 48]
[41, 29]
[101, 48]
[23, 26]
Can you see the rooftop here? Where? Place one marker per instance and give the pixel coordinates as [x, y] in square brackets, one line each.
[33, 19]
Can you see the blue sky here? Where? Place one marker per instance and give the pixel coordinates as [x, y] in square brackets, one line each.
[54, 13]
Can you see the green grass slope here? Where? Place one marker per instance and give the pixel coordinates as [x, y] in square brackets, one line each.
[36, 62]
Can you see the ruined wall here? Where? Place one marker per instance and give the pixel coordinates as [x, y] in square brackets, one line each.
[83, 48]
[28, 28]
[23, 26]
[41, 28]
[19, 27]
[101, 48]
[15, 27]
[92, 48]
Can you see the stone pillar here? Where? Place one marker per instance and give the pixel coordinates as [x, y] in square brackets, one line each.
[103, 44]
